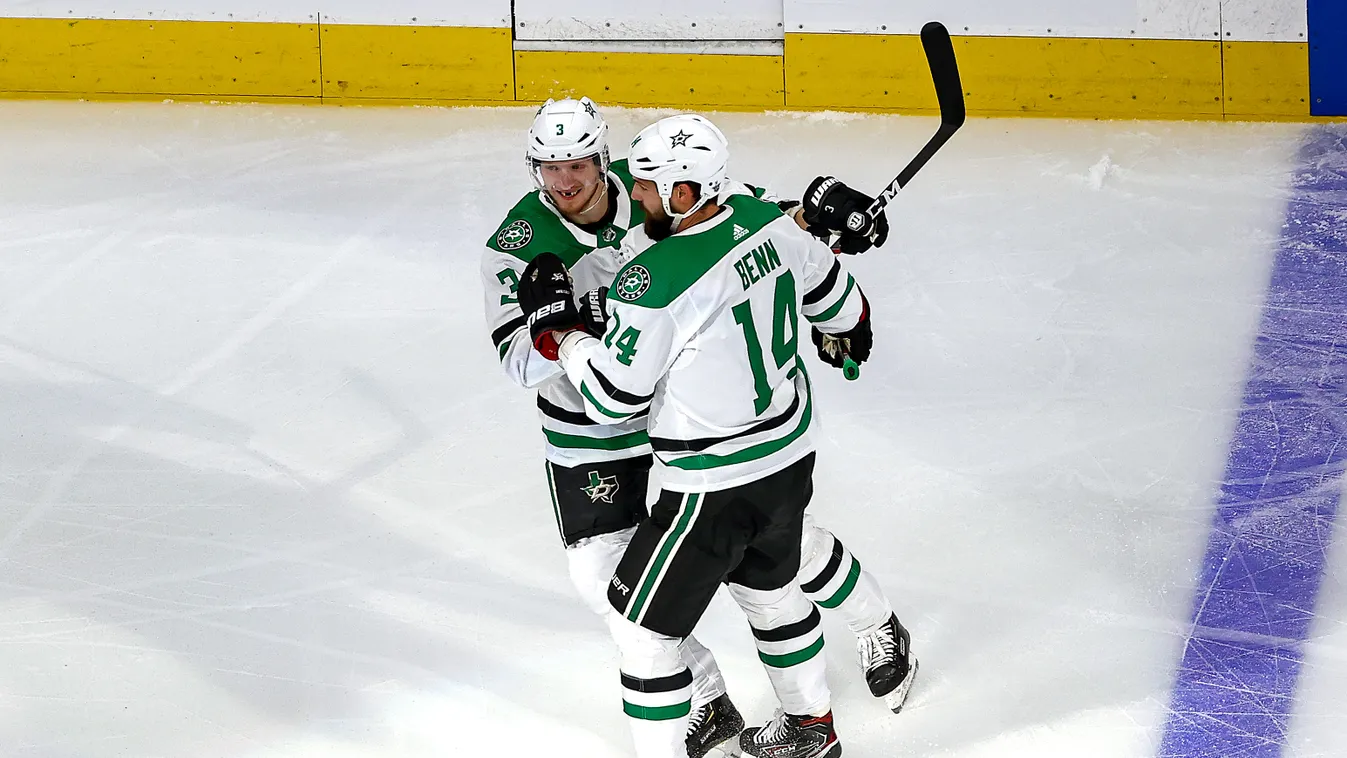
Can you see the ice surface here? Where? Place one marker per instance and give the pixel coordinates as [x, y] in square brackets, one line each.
[264, 491]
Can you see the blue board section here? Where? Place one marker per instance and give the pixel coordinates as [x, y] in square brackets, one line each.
[1328, 57]
[1236, 683]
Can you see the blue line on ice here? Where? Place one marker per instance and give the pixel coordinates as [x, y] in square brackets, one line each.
[1274, 519]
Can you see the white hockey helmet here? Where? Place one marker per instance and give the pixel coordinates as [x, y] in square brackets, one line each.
[566, 130]
[682, 148]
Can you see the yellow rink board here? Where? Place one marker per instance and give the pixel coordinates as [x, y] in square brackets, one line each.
[419, 63]
[1011, 75]
[1090, 78]
[1265, 79]
[655, 79]
[158, 58]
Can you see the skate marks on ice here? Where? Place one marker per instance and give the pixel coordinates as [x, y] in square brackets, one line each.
[1238, 681]
[335, 538]
[229, 524]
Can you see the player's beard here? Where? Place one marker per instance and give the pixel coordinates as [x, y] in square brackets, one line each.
[658, 228]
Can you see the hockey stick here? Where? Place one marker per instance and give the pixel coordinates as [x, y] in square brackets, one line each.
[948, 92]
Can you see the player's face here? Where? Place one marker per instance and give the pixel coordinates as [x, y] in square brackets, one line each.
[572, 185]
[658, 224]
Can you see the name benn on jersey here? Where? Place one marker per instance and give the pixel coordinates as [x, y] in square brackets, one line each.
[757, 263]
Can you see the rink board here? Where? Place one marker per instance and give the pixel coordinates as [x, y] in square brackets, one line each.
[1328, 57]
[659, 79]
[350, 63]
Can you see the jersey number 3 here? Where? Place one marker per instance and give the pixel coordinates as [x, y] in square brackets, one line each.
[784, 321]
[507, 276]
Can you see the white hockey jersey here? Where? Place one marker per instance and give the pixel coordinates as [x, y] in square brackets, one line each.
[703, 335]
[532, 227]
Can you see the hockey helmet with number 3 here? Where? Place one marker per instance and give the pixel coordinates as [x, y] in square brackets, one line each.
[566, 130]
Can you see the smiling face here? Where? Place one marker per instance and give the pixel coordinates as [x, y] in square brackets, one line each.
[573, 186]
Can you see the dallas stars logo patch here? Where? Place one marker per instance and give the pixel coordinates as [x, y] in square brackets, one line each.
[514, 236]
[600, 487]
[680, 139]
[634, 282]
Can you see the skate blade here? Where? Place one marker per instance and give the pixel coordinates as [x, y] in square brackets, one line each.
[896, 699]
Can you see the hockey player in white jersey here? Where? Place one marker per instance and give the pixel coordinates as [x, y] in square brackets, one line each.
[700, 334]
[581, 210]
[596, 474]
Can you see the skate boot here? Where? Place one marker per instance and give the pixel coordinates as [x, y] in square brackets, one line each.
[712, 724]
[888, 663]
[787, 736]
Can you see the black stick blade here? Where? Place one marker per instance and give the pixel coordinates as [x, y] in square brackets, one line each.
[944, 72]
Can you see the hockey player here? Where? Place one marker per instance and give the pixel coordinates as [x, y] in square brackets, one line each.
[700, 334]
[581, 210]
[597, 474]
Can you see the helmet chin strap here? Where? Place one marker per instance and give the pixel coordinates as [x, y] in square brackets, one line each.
[678, 217]
[602, 194]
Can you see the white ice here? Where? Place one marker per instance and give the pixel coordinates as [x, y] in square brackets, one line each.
[264, 491]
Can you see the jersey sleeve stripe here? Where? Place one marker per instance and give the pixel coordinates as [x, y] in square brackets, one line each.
[556, 412]
[621, 396]
[574, 418]
[837, 306]
[507, 330]
[818, 293]
[584, 390]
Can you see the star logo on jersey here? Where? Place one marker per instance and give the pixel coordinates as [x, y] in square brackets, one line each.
[739, 232]
[633, 283]
[600, 488]
[680, 139]
[514, 236]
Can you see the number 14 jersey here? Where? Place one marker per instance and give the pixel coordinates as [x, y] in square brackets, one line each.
[704, 330]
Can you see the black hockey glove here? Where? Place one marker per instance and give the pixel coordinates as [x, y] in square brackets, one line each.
[855, 342]
[594, 311]
[547, 297]
[835, 206]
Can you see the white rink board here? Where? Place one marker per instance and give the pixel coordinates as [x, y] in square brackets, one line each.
[482, 13]
[1150, 19]
[626, 20]
[1281, 20]
[1253, 20]
[1265, 20]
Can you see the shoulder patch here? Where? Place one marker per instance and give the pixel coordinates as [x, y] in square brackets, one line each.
[515, 236]
[633, 283]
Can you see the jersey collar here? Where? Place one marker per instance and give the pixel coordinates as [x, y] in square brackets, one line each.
[709, 224]
[622, 220]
